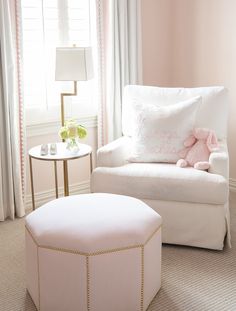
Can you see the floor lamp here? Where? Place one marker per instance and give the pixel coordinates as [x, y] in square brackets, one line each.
[72, 64]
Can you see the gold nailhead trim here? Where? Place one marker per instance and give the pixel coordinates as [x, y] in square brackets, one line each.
[31, 235]
[88, 283]
[38, 275]
[148, 239]
[78, 252]
[94, 254]
[142, 276]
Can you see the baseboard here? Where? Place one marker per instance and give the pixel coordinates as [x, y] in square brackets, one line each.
[232, 184]
[46, 196]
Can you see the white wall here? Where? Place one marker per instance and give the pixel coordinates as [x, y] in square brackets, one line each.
[192, 43]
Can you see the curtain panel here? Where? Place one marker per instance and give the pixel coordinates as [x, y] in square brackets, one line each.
[11, 114]
[119, 50]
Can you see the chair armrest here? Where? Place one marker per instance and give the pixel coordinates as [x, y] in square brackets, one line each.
[219, 161]
[115, 153]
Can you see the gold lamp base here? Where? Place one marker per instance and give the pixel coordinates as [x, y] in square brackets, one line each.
[65, 165]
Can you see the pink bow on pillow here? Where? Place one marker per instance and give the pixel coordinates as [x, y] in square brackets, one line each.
[198, 148]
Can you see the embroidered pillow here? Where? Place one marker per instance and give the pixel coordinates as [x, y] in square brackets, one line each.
[160, 131]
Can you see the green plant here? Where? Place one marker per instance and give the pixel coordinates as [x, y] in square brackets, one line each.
[72, 130]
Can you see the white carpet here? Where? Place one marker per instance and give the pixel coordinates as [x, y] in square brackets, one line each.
[192, 279]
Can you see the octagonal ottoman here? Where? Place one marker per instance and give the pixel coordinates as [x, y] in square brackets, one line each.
[95, 252]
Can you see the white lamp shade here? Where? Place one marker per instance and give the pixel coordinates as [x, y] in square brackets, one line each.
[74, 64]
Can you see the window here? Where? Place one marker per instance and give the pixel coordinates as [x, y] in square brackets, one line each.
[46, 25]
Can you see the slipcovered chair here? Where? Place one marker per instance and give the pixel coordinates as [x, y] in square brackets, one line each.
[193, 203]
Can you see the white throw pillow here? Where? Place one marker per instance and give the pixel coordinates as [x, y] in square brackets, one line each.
[160, 131]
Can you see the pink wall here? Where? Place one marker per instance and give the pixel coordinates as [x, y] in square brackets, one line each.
[192, 43]
[156, 32]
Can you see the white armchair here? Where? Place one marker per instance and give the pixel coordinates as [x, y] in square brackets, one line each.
[192, 203]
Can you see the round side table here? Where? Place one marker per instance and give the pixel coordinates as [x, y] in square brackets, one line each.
[62, 155]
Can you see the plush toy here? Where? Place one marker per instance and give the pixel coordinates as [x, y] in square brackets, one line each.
[198, 147]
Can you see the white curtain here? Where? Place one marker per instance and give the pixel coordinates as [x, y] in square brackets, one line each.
[11, 133]
[119, 38]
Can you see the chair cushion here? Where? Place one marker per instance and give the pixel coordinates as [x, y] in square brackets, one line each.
[212, 114]
[159, 181]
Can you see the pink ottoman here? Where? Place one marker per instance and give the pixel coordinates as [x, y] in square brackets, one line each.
[97, 252]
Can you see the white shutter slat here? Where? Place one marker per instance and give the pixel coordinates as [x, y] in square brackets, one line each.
[45, 23]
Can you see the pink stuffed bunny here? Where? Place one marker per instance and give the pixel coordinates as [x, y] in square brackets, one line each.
[198, 147]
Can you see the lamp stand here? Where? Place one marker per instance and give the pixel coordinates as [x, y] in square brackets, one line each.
[65, 166]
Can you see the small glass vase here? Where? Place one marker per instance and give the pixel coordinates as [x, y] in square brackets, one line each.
[72, 144]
